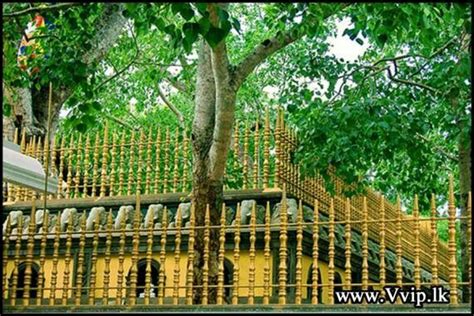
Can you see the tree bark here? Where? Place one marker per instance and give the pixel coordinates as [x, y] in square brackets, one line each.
[204, 192]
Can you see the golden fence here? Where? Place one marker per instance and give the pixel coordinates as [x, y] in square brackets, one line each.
[260, 158]
[146, 261]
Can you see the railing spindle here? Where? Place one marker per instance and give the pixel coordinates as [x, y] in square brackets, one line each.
[177, 257]
[220, 276]
[235, 285]
[453, 292]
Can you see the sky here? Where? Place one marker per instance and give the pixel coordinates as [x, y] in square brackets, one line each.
[341, 46]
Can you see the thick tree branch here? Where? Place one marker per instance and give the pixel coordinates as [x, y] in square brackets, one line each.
[225, 103]
[174, 109]
[267, 48]
[109, 28]
[53, 7]
[204, 112]
[121, 71]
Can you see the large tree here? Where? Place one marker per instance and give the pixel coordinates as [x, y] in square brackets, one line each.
[219, 49]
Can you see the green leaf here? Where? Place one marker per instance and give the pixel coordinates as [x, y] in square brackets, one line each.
[7, 109]
[204, 26]
[359, 41]
[187, 14]
[96, 105]
[236, 24]
[215, 35]
[81, 127]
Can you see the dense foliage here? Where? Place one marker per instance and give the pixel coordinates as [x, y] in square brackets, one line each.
[386, 118]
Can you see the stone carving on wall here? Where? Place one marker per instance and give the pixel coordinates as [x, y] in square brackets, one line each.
[185, 215]
[125, 213]
[69, 216]
[291, 209]
[246, 212]
[39, 219]
[14, 219]
[96, 214]
[154, 211]
[26, 224]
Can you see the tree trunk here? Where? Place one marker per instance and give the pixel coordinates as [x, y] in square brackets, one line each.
[30, 111]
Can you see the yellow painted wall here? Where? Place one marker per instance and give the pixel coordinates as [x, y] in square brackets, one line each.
[169, 271]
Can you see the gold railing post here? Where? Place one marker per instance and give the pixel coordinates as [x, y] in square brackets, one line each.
[70, 151]
[108, 244]
[149, 253]
[184, 179]
[314, 286]
[331, 251]
[299, 254]
[135, 243]
[67, 260]
[266, 268]
[277, 136]
[365, 246]
[86, 166]
[205, 269]
[157, 162]
[138, 185]
[176, 162]
[93, 271]
[177, 253]
[41, 272]
[266, 151]
[77, 175]
[235, 285]
[61, 167]
[148, 163]
[434, 242]
[113, 171]
[220, 275]
[80, 260]
[105, 151]
[452, 245]
[167, 162]
[29, 253]
[417, 268]
[190, 272]
[121, 165]
[54, 272]
[282, 269]
[131, 163]
[382, 245]
[256, 159]
[246, 155]
[161, 277]
[123, 237]
[399, 249]
[16, 261]
[6, 246]
[348, 245]
[95, 165]
[252, 239]
[19, 189]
